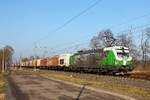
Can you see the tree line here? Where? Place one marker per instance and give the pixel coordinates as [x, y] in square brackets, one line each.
[6, 54]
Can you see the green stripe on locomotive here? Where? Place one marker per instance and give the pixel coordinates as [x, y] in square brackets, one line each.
[71, 60]
[110, 60]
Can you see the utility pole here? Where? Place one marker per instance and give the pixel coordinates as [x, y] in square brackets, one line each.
[20, 62]
[142, 46]
[35, 62]
[3, 61]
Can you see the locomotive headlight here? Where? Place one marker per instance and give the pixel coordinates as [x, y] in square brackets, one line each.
[116, 61]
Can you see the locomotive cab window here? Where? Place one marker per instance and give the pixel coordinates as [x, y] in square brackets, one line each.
[61, 61]
[120, 54]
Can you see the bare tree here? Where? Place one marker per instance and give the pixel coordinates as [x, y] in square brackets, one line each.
[24, 59]
[148, 42]
[6, 57]
[123, 40]
[145, 45]
[9, 51]
[147, 30]
[31, 57]
[146, 50]
[142, 46]
[95, 42]
[36, 57]
[107, 37]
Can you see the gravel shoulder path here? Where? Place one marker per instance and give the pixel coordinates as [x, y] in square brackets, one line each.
[27, 86]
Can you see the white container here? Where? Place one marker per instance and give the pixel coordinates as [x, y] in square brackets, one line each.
[64, 60]
[38, 62]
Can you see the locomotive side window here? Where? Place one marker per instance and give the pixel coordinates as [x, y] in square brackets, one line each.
[61, 61]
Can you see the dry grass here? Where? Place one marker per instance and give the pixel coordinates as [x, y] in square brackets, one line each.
[2, 87]
[2, 96]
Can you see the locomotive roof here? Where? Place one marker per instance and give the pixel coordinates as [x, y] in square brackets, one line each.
[116, 48]
[88, 51]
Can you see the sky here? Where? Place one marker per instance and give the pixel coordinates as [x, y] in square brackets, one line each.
[29, 25]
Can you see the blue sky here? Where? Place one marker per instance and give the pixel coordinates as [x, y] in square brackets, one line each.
[22, 22]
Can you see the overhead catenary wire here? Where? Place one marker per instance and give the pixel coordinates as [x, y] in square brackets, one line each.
[131, 20]
[70, 20]
[134, 28]
[123, 23]
[69, 49]
[78, 15]
[2, 43]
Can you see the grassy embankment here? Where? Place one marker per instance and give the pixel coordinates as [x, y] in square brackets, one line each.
[141, 93]
[2, 87]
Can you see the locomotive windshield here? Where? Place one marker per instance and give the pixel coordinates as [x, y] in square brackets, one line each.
[122, 52]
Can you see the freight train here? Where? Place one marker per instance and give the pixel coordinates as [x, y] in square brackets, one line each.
[110, 60]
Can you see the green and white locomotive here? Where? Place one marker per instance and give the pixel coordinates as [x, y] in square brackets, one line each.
[109, 60]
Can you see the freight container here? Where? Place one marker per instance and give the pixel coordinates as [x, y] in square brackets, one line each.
[21, 63]
[38, 62]
[43, 62]
[27, 63]
[64, 60]
[24, 63]
[30, 63]
[52, 61]
[34, 62]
